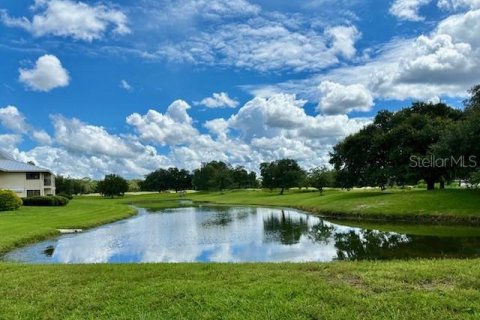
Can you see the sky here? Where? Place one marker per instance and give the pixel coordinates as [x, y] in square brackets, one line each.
[89, 88]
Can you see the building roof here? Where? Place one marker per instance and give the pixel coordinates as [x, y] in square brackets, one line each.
[8, 164]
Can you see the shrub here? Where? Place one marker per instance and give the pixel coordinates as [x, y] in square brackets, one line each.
[65, 195]
[46, 201]
[9, 200]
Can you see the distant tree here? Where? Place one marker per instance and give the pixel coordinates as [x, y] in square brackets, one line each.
[218, 175]
[243, 179]
[70, 186]
[63, 185]
[461, 139]
[201, 179]
[320, 178]
[473, 102]
[215, 175]
[283, 174]
[180, 179]
[222, 178]
[381, 153]
[113, 185]
[159, 180]
[267, 171]
[134, 185]
[475, 178]
[252, 180]
[167, 179]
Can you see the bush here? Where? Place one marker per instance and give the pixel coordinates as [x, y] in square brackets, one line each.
[46, 201]
[65, 195]
[9, 200]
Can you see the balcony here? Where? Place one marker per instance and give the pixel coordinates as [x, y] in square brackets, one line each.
[47, 182]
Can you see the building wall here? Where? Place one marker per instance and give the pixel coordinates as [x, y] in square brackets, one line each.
[18, 183]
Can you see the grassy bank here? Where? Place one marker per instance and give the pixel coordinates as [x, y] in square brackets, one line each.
[443, 206]
[428, 289]
[445, 289]
[30, 224]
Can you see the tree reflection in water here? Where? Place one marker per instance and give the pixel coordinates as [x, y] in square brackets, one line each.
[284, 228]
[223, 216]
[322, 232]
[377, 245]
[367, 244]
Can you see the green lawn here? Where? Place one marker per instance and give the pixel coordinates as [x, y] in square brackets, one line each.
[451, 206]
[31, 224]
[446, 289]
[428, 289]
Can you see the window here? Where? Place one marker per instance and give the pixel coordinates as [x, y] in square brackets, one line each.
[33, 193]
[33, 176]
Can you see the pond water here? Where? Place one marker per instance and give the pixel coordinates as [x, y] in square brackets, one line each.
[237, 234]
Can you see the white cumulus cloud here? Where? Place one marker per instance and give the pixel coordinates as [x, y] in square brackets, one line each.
[68, 18]
[47, 74]
[343, 40]
[218, 100]
[458, 4]
[340, 99]
[408, 9]
[8, 142]
[12, 119]
[80, 137]
[172, 128]
[443, 63]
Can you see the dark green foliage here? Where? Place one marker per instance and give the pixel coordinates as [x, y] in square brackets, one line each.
[475, 178]
[9, 200]
[243, 179]
[46, 201]
[380, 154]
[167, 179]
[113, 185]
[69, 186]
[181, 179]
[283, 174]
[217, 175]
[461, 140]
[473, 103]
[65, 195]
[156, 181]
[320, 178]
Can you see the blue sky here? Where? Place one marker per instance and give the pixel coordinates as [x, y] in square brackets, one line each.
[93, 87]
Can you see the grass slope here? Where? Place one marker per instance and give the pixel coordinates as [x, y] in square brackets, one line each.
[420, 289]
[445, 289]
[31, 224]
[452, 206]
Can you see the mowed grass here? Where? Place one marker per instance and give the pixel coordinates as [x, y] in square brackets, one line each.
[451, 205]
[31, 224]
[447, 289]
[413, 289]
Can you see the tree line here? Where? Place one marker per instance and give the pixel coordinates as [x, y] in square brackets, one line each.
[212, 176]
[430, 142]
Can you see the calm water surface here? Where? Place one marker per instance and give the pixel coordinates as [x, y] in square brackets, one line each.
[236, 234]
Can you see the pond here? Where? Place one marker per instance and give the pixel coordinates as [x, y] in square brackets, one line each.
[238, 234]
